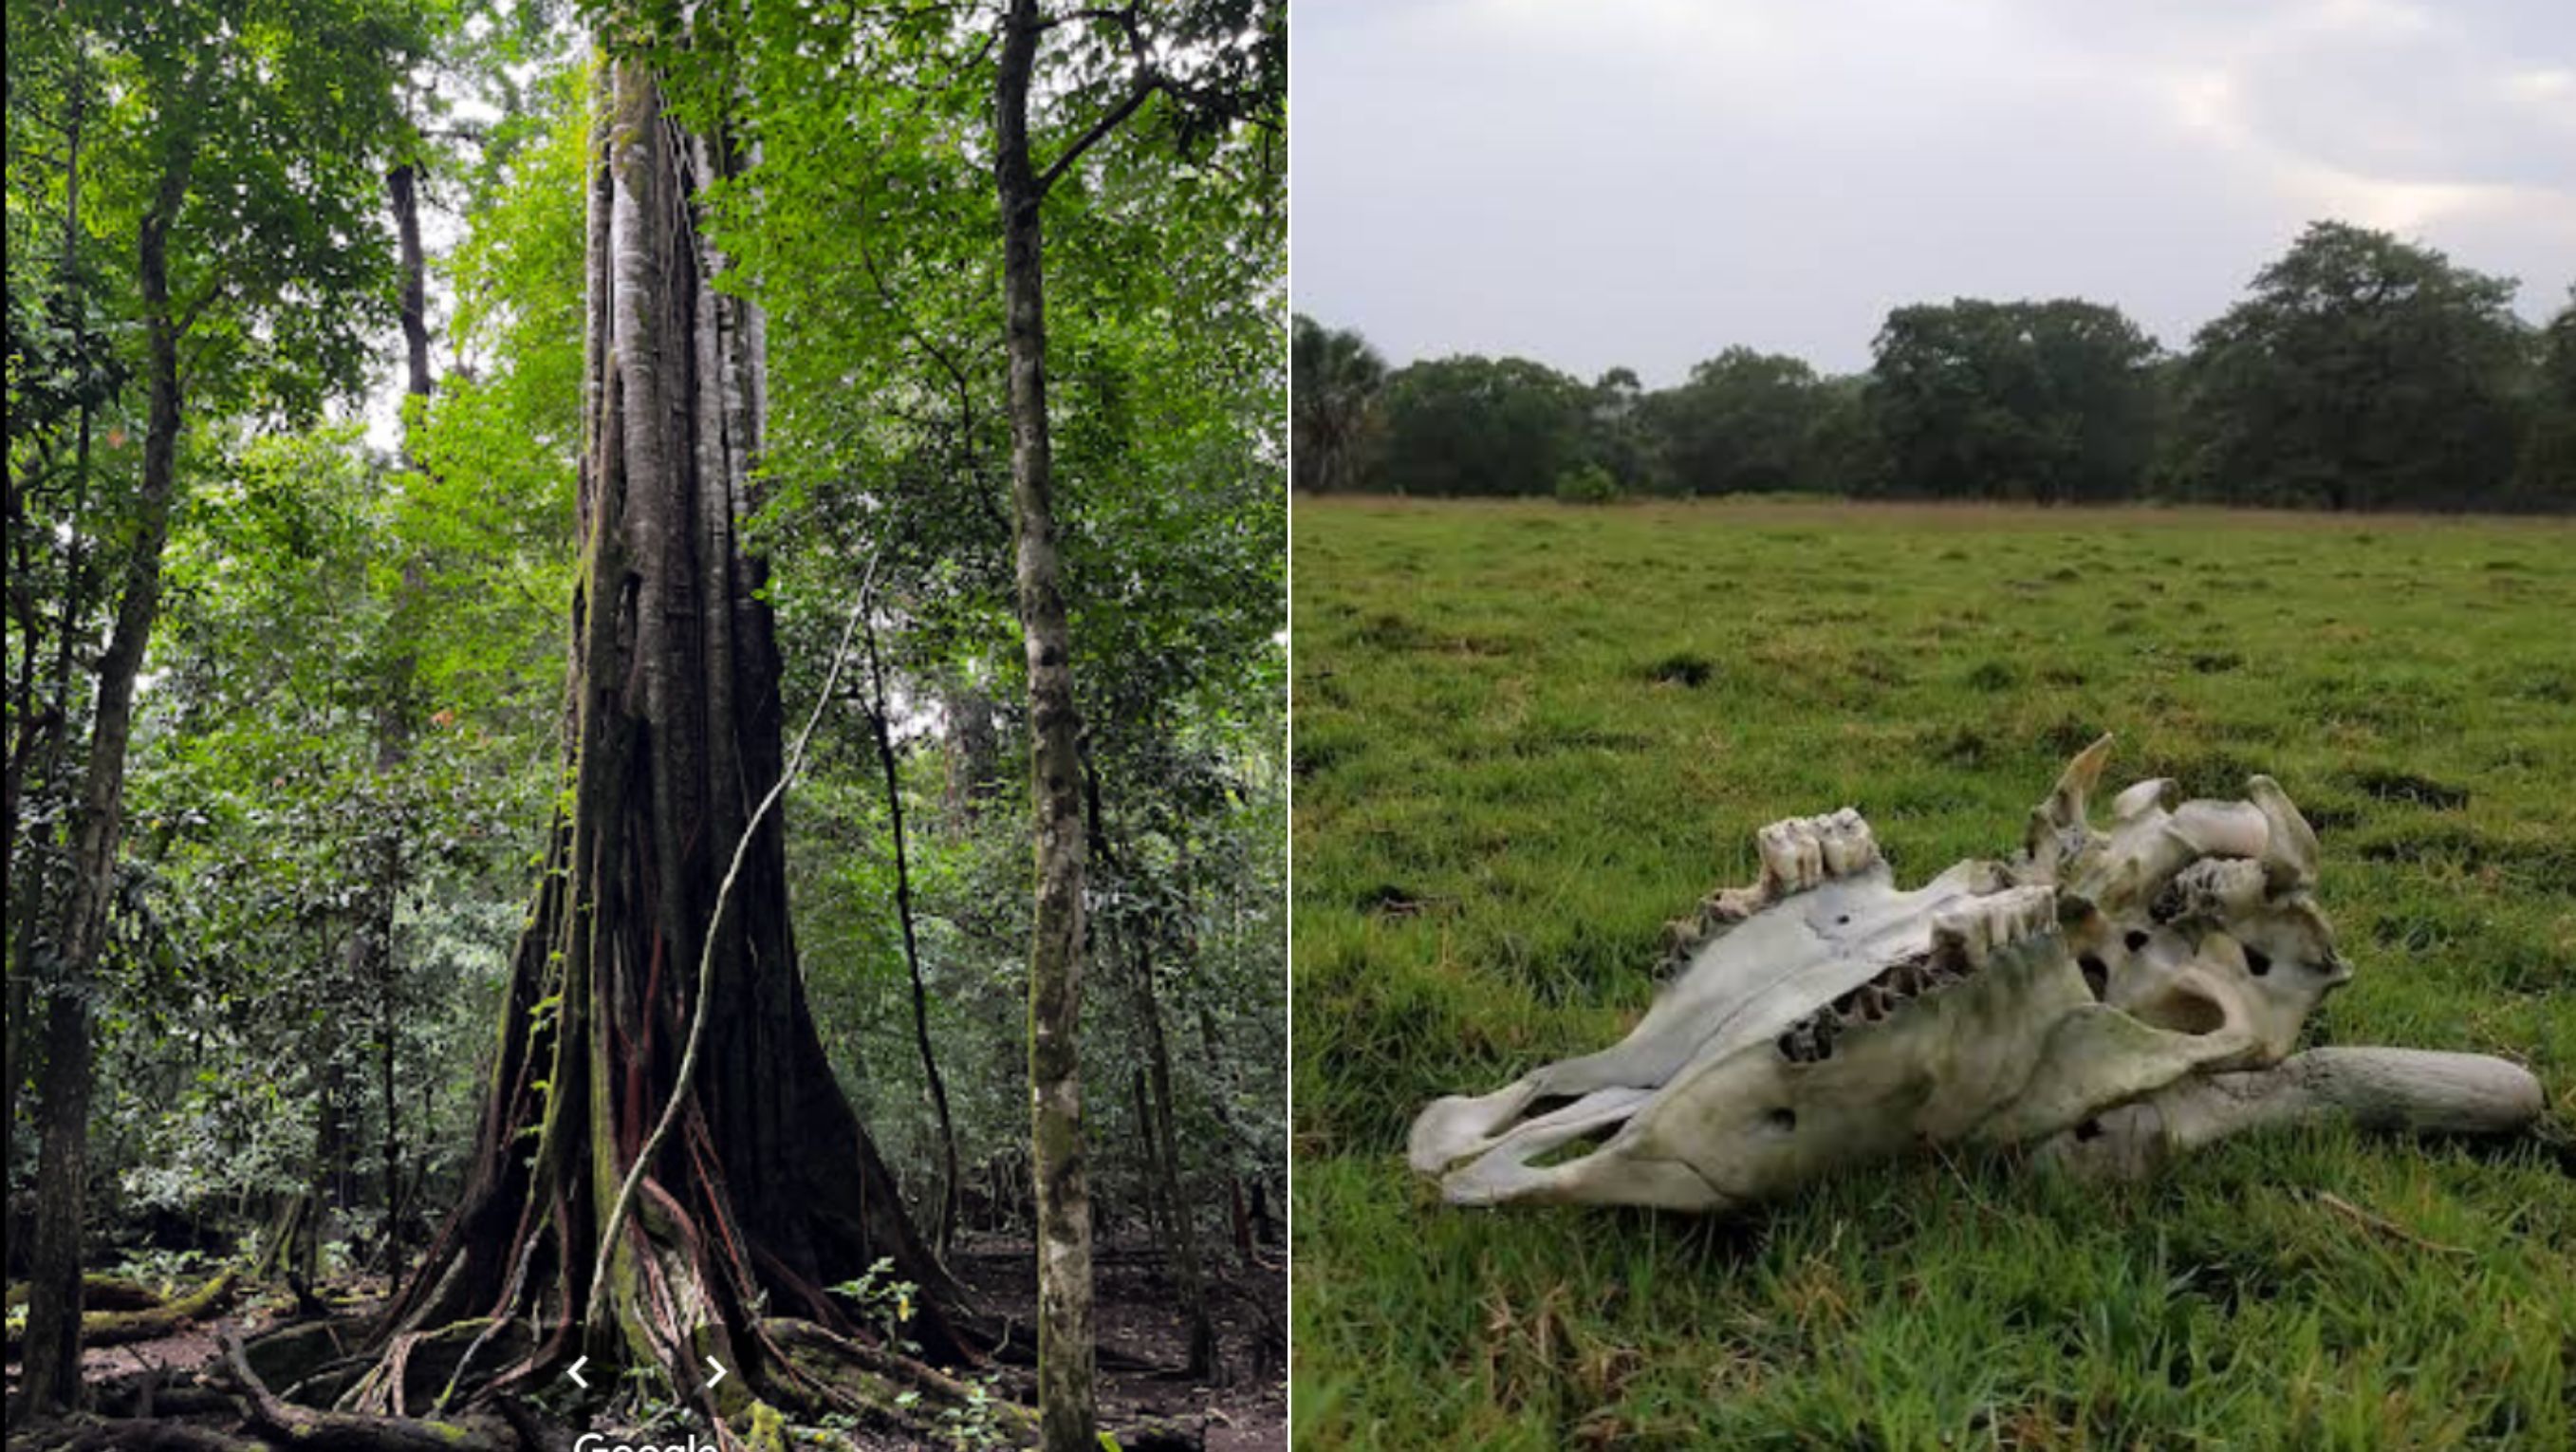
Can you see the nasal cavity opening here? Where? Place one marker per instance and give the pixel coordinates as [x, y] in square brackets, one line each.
[2097, 975]
[2257, 962]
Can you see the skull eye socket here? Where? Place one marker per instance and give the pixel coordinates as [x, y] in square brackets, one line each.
[2257, 962]
[2136, 939]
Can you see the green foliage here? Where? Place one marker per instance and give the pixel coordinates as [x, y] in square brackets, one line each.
[1586, 484]
[2045, 401]
[868, 233]
[1527, 737]
[2546, 477]
[1335, 377]
[884, 1300]
[1470, 425]
[2362, 372]
[1745, 423]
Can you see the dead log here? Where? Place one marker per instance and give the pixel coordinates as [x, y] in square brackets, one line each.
[101, 1293]
[116, 1328]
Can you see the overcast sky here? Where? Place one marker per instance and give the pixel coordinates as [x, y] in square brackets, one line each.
[1644, 182]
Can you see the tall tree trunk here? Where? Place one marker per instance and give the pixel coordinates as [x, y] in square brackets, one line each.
[883, 729]
[53, 726]
[1067, 1408]
[769, 1190]
[52, 1375]
[393, 712]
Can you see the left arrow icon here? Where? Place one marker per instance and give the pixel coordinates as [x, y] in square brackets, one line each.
[574, 1371]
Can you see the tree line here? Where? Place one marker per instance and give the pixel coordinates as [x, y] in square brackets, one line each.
[2360, 371]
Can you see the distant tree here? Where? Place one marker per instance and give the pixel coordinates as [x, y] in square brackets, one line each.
[1472, 425]
[2026, 400]
[1335, 378]
[2362, 372]
[1745, 422]
[1618, 444]
[2546, 478]
[1845, 453]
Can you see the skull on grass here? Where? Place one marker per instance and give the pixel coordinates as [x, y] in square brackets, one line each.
[1823, 1017]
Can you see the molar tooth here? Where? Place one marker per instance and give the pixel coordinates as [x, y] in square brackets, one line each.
[1811, 853]
[1966, 930]
[1779, 855]
[1836, 840]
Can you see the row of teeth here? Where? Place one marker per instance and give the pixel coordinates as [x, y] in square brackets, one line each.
[1812, 1038]
[1803, 851]
[1961, 939]
[1797, 854]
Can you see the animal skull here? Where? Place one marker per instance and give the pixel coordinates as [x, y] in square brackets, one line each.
[1822, 1017]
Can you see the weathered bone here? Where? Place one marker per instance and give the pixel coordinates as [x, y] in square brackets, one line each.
[2104, 984]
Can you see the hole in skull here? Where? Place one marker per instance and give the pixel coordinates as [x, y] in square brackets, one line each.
[1783, 1119]
[2089, 1130]
[2097, 974]
[2183, 1013]
[2136, 939]
[1573, 1149]
[1841, 919]
[2257, 962]
[1545, 1105]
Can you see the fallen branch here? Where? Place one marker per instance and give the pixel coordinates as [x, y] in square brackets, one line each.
[116, 1328]
[287, 1425]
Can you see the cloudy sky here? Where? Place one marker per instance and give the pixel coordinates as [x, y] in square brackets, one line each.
[1644, 182]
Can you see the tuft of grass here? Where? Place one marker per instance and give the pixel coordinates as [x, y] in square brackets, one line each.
[1487, 844]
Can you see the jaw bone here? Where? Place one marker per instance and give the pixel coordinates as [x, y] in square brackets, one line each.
[1822, 1017]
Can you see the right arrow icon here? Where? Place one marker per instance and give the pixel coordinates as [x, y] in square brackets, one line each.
[720, 1373]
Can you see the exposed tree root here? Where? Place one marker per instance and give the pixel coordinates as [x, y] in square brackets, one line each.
[828, 1365]
[116, 1328]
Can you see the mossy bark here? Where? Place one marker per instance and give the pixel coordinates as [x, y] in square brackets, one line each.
[1066, 1396]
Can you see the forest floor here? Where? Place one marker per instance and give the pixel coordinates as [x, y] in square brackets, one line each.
[1138, 1325]
[1143, 1343]
[1527, 734]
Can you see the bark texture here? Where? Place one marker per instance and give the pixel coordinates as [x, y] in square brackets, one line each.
[1066, 1401]
[769, 1187]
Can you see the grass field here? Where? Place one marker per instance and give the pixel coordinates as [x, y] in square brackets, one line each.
[1527, 734]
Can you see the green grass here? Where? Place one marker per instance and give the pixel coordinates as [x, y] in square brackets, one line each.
[1528, 734]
